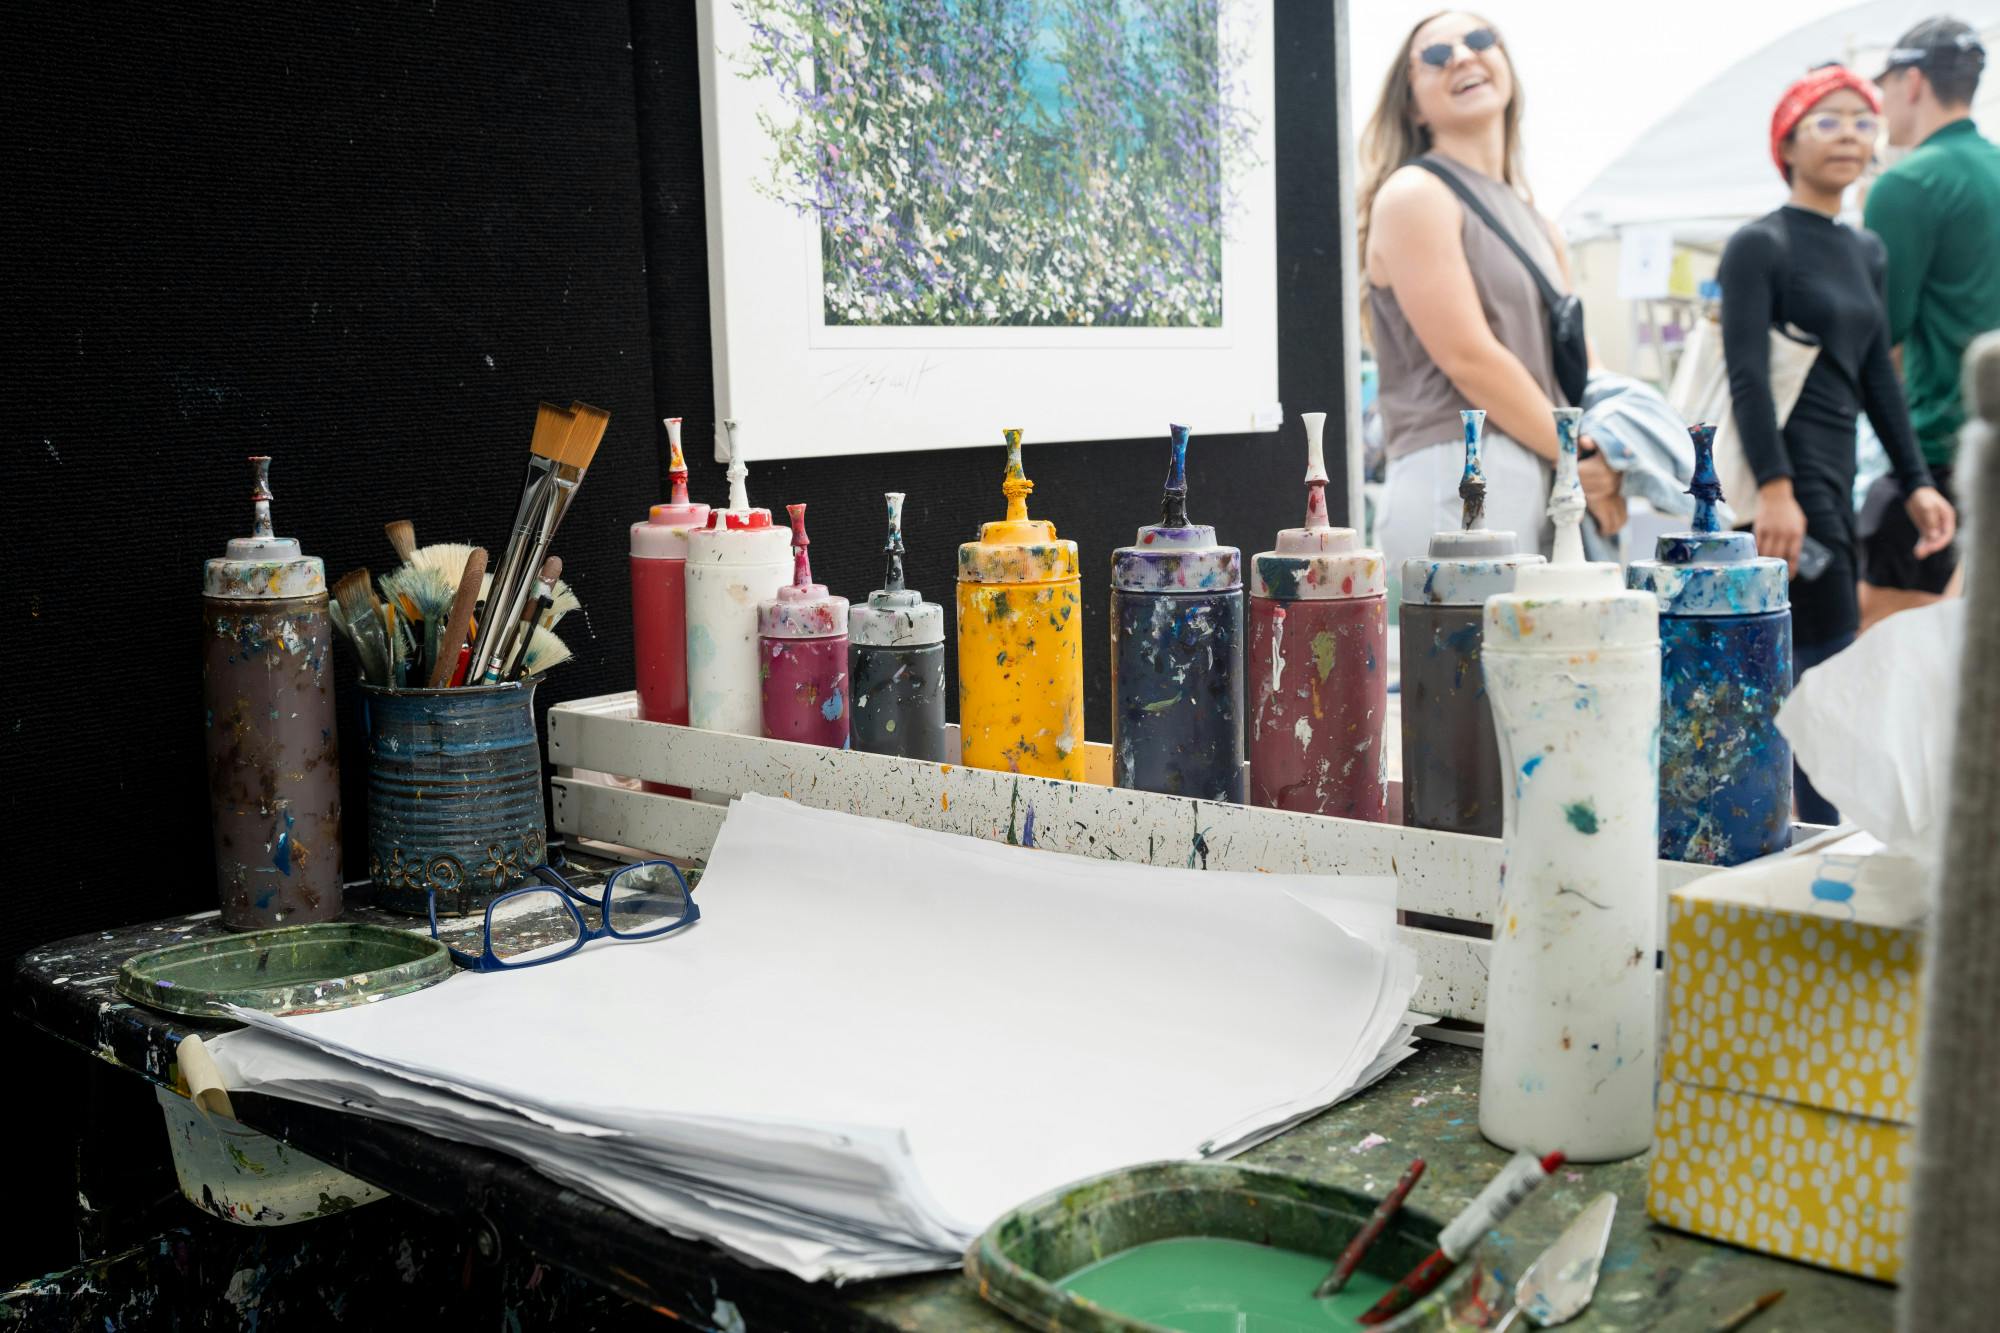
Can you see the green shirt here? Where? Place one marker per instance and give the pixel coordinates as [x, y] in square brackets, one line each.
[1938, 213]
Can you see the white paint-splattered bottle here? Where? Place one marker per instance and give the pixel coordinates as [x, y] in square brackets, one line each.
[737, 561]
[1572, 662]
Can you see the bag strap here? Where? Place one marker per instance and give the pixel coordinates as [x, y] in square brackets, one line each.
[1550, 296]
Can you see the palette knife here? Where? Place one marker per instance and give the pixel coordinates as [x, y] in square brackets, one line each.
[1559, 1284]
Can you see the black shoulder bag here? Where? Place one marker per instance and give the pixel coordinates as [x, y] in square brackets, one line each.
[1566, 338]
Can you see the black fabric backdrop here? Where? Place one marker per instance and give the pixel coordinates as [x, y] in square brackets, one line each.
[365, 238]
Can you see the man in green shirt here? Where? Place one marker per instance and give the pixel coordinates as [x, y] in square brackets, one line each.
[1938, 214]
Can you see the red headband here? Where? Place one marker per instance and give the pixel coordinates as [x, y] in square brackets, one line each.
[1803, 95]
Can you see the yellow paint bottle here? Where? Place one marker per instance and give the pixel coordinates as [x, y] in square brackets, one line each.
[1020, 642]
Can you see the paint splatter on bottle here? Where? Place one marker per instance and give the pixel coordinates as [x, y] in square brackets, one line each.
[895, 662]
[273, 756]
[659, 599]
[737, 561]
[1020, 641]
[1451, 758]
[1572, 662]
[1726, 666]
[802, 654]
[1177, 653]
[1319, 676]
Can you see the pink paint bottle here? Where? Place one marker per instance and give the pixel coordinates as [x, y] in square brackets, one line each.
[1319, 655]
[802, 654]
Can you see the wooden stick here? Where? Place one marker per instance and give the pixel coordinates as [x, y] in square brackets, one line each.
[461, 619]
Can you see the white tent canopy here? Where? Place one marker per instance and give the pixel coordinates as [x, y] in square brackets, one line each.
[1705, 167]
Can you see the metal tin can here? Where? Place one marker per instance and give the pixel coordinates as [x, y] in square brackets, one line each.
[273, 754]
[454, 793]
[1177, 654]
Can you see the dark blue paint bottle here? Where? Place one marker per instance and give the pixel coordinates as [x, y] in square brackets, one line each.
[1177, 654]
[895, 662]
[1725, 667]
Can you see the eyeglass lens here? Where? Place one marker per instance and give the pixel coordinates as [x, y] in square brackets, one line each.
[538, 922]
[646, 899]
[1438, 54]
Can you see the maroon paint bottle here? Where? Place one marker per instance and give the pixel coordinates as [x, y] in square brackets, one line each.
[802, 654]
[1319, 683]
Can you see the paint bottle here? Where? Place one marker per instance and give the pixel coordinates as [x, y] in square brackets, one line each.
[734, 563]
[659, 594]
[1177, 653]
[1451, 760]
[1020, 641]
[802, 654]
[1319, 681]
[273, 753]
[1572, 661]
[895, 662]
[1725, 666]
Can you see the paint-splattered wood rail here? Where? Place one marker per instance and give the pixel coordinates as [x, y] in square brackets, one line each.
[1441, 875]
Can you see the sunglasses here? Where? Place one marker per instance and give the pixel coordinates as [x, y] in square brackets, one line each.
[1831, 125]
[1438, 54]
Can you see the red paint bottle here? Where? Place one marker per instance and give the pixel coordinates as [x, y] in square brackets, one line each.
[1319, 683]
[659, 601]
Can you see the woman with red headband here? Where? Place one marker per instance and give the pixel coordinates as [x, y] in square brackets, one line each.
[1801, 266]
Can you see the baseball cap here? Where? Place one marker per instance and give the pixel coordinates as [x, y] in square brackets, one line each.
[1935, 43]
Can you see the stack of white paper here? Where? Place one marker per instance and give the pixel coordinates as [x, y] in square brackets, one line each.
[878, 1039]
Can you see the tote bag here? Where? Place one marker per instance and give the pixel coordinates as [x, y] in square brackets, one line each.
[1700, 392]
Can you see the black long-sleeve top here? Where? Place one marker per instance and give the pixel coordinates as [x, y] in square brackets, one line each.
[1803, 268]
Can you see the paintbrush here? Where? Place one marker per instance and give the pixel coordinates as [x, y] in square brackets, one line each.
[545, 650]
[552, 430]
[364, 625]
[1730, 1323]
[402, 536]
[586, 432]
[564, 602]
[452, 642]
[1378, 1222]
[424, 589]
[531, 614]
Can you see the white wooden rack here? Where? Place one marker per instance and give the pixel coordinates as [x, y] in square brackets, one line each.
[600, 747]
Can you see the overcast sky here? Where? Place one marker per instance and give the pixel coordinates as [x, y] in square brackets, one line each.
[1595, 76]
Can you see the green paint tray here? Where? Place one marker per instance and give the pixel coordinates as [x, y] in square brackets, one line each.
[290, 970]
[1018, 1262]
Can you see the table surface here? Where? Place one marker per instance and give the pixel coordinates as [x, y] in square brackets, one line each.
[1653, 1278]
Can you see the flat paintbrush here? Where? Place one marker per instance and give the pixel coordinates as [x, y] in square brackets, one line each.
[460, 621]
[586, 433]
[402, 536]
[364, 625]
[552, 430]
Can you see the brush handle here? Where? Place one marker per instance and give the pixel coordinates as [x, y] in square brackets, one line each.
[505, 605]
[452, 642]
[534, 501]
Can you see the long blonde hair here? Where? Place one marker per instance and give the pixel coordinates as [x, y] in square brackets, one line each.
[1392, 138]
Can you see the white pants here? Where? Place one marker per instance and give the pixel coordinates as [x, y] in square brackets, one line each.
[1421, 498]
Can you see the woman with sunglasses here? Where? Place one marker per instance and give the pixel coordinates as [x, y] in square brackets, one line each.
[1457, 319]
[1802, 266]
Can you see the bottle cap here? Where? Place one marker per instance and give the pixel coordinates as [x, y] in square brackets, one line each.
[1017, 549]
[663, 534]
[1318, 562]
[738, 534]
[1706, 571]
[1570, 605]
[802, 609]
[1175, 555]
[1464, 568]
[262, 567]
[895, 616]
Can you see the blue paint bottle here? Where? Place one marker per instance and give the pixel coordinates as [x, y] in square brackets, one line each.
[1177, 654]
[1451, 756]
[1726, 665]
[895, 662]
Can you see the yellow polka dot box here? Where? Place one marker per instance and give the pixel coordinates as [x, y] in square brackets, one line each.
[1787, 1097]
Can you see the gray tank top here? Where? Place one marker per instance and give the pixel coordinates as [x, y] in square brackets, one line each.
[1420, 405]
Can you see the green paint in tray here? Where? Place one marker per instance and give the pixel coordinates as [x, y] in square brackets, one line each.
[1206, 1284]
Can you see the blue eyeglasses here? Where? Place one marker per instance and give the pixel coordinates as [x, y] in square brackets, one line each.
[541, 923]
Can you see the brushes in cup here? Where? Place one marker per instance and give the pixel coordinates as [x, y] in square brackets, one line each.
[545, 451]
[361, 617]
[452, 643]
[511, 592]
